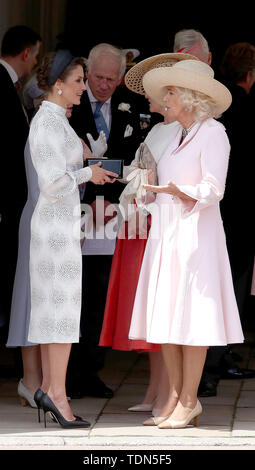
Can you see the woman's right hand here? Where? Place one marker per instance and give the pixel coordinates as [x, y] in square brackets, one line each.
[101, 176]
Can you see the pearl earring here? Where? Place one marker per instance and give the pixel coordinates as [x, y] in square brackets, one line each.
[60, 92]
[186, 109]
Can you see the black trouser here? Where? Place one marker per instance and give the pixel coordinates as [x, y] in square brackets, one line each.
[86, 357]
[8, 260]
[219, 358]
[213, 364]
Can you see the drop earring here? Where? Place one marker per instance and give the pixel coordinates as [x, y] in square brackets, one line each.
[60, 92]
[186, 109]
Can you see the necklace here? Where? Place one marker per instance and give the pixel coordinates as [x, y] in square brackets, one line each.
[186, 131]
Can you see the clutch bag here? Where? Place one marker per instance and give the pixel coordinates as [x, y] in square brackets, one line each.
[110, 164]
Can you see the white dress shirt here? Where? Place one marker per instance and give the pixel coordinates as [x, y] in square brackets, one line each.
[106, 108]
[101, 242]
[10, 70]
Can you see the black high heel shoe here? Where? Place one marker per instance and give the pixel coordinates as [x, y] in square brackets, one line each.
[48, 406]
[37, 398]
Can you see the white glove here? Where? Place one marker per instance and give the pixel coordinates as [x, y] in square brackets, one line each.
[99, 146]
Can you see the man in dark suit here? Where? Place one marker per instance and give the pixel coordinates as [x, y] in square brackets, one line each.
[237, 206]
[121, 124]
[238, 69]
[19, 52]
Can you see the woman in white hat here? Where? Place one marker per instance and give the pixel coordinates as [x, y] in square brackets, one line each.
[130, 246]
[185, 298]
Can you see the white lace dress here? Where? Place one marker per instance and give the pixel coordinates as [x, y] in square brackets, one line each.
[55, 253]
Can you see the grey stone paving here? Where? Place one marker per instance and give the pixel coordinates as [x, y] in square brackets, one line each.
[228, 420]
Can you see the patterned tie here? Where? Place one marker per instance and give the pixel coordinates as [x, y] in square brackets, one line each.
[18, 87]
[99, 119]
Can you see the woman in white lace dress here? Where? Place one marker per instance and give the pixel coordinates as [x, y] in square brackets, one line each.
[55, 253]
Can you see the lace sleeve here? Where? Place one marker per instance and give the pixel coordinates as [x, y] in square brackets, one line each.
[49, 155]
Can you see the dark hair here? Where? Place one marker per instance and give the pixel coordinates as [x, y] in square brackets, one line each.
[44, 68]
[18, 38]
[238, 59]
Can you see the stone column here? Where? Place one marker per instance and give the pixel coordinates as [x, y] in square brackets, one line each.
[47, 17]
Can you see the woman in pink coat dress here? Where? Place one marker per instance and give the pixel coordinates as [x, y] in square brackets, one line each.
[185, 299]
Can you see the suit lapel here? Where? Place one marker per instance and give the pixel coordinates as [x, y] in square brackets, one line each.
[114, 120]
[15, 103]
[88, 115]
[116, 124]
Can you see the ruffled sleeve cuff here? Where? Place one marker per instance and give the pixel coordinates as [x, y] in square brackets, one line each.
[207, 193]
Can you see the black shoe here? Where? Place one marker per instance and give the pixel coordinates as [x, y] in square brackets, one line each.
[48, 406]
[75, 394]
[238, 373]
[207, 389]
[37, 398]
[95, 387]
[236, 357]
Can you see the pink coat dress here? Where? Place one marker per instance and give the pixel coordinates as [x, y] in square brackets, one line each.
[185, 292]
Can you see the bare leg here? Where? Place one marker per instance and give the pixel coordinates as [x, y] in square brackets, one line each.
[32, 368]
[155, 372]
[193, 363]
[162, 390]
[173, 359]
[45, 368]
[55, 360]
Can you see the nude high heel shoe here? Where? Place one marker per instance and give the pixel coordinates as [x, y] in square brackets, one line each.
[194, 416]
[155, 411]
[141, 407]
[25, 396]
[154, 421]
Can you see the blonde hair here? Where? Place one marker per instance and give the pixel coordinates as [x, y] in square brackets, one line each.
[203, 106]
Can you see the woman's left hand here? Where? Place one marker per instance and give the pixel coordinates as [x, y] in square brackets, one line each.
[169, 188]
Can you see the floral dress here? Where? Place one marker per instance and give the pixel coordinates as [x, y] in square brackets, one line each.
[55, 252]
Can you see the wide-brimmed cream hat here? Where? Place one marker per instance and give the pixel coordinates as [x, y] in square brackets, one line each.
[134, 77]
[191, 74]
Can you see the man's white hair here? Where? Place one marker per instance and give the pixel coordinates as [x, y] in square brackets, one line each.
[103, 49]
[186, 39]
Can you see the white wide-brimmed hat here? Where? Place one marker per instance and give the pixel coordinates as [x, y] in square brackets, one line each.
[134, 77]
[191, 74]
